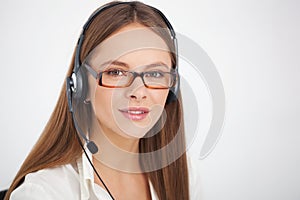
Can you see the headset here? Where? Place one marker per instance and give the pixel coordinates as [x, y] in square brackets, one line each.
[77, 84]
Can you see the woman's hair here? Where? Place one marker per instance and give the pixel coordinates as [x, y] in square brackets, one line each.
[58, 144]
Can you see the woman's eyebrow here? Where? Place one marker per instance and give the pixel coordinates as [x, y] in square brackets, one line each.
[115, 62]
[158, 64]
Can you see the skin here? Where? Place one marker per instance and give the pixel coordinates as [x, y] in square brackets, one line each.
[121, 131]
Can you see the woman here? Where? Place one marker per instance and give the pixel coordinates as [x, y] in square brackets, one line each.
[125, 104]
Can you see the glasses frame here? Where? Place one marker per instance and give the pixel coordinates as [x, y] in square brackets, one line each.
[98, 77]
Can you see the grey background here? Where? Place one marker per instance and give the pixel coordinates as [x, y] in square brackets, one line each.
[255, 46]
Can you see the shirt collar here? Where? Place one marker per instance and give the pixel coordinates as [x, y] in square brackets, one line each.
[86, 175]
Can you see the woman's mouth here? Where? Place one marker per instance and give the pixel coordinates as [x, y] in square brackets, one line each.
[135, 113]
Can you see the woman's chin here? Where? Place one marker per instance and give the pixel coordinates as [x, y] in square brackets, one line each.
[134, 131]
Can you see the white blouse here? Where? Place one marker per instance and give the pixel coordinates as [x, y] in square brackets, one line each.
[69, 182]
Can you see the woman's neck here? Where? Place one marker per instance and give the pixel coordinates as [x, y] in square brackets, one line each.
[122, 185]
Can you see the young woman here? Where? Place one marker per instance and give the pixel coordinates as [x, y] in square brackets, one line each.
[118, 133]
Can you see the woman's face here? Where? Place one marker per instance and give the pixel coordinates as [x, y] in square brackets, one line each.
[130, 111]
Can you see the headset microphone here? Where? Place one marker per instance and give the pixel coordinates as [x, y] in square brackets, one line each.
[92, 147]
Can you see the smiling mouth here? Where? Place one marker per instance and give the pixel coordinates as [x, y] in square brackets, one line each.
[135, 113]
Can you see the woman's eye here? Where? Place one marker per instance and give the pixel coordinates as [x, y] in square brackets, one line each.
[154, 74]
[116, 72]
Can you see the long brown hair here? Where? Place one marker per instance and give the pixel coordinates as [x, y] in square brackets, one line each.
[58, 144]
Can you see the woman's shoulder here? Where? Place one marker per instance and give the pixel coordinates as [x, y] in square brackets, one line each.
[50, 183]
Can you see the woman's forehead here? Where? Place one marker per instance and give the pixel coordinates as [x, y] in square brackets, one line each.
[129, 39]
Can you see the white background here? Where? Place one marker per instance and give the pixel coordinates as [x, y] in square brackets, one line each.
[254, 44]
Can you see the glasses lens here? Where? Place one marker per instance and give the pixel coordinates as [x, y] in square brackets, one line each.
[116, 78]
[158, 79]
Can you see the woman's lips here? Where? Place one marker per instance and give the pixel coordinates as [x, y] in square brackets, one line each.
[135, 113]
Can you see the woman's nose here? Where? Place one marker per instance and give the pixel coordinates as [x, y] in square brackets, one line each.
[137, 97]
[137, 90]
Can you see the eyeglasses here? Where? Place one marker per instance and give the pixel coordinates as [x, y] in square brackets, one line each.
[118, 78]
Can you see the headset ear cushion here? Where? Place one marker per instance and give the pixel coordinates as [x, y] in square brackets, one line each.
[81, 85]
[173, 92]
[171, 97]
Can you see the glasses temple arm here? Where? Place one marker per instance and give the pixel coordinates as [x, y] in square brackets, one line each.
[91, 70]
